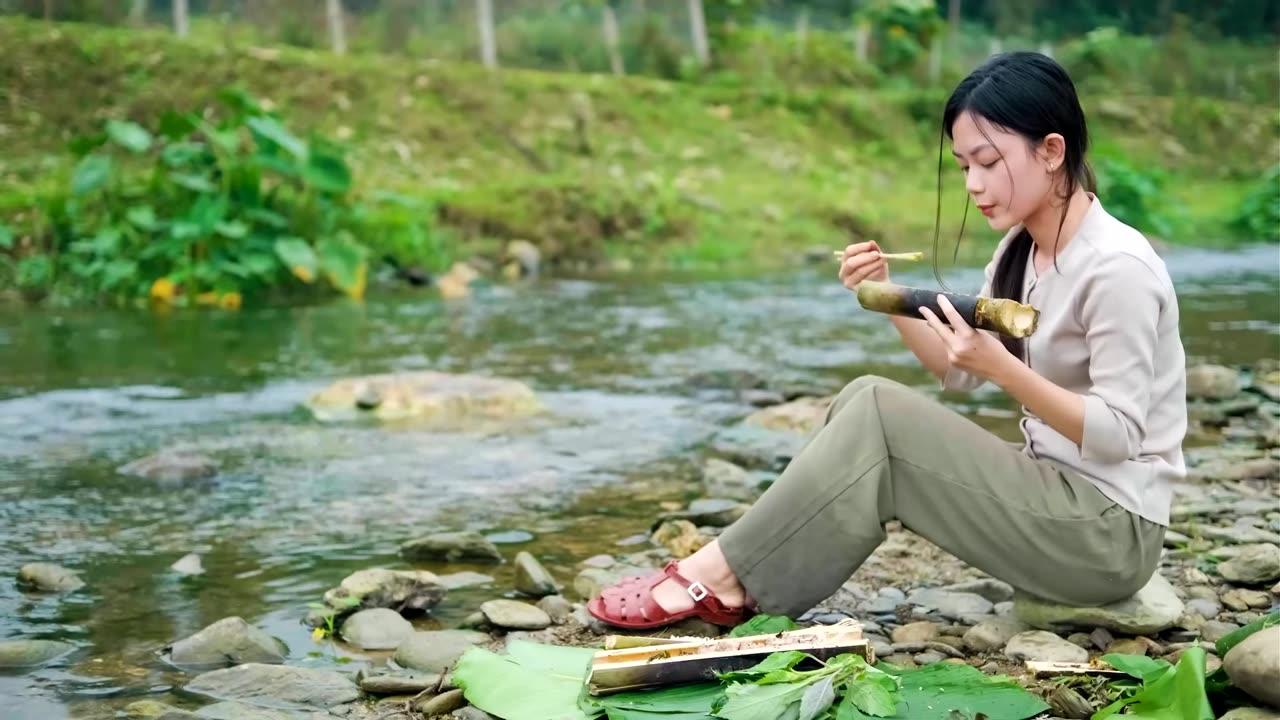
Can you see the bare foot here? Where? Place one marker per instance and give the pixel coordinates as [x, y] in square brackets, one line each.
[709, 567]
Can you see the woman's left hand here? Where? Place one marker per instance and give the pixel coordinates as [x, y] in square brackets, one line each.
[973, 351]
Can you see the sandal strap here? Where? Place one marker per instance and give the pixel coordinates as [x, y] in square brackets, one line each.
[698, 592]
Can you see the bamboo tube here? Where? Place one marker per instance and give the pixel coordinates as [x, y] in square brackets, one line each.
[1000, 315]
[908, 256]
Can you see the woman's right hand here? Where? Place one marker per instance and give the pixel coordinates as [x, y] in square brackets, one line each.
[862, 261]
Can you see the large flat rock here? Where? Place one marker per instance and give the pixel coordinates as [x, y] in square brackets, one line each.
[433, 396]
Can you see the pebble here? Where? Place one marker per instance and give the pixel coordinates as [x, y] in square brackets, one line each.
[1128, 646]
[1101, 638]
[1080, 639]
[1042, 645]
[1254, 665]
[915, 632]
[376, 629]
[1213, 631]
[1004, 609]
[452, 547]
[557, 608]
[1207, 609]
[993, 635]
[1202, 592]
[603, 562]
[395, 684]
[472, 713]
[188, 564]
[990, 668]
[994, 590]
[47, 577]
[532, 578]
[951, 605]
[441, 704]
[515, 615]
[928, 658]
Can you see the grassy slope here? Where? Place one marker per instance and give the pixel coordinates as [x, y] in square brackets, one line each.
[671, 172]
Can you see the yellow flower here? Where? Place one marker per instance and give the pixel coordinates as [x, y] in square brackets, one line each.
[317, 635]
[163, 290]
[230, 301]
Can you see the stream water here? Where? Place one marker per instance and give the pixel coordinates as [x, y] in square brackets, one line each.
[300, 504]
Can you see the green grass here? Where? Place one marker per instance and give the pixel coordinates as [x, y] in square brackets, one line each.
[591, 167]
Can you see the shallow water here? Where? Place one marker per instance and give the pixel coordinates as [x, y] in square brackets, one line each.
[300, 504]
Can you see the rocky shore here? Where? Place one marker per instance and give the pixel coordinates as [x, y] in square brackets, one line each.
[918, 605]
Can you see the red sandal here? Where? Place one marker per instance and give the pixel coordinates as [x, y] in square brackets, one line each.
[630, 603]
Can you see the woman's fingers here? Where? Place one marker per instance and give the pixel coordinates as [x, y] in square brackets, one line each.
[943, 331]
[958, 323]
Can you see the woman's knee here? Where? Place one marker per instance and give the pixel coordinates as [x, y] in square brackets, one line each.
[856, 387]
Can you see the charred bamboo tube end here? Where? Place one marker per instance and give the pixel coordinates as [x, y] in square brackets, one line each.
[1000, 315]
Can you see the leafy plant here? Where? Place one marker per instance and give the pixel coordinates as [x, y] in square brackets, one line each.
[775, 689]
[1134, 196]
[763, 625]
[203, 211]
[1166, 692]
[1258, 216]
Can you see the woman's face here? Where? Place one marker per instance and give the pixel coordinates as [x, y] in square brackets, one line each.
[1007, 179]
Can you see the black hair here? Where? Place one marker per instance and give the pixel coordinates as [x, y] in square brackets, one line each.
[1030, 94]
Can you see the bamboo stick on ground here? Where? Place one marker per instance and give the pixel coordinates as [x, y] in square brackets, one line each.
[1000, 315]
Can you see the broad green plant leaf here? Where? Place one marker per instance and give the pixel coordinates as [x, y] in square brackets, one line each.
[142, 217]
[6, 237]
[817, 698]
[679, 702]
[775, 661]
[764, 625]
[535, 682]
[326, 170]
[1236, 637]
[90, 174]
[343, 261]
[874, 697]
[933, 692]
[129, 135]
[298, 256]
[269, 131]
[1172, 695]
[1139, 666]
[746, 701]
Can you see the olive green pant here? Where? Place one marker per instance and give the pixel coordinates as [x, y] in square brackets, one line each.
[888, 452]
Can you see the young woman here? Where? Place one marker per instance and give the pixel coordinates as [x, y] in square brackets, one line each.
[1076, 515]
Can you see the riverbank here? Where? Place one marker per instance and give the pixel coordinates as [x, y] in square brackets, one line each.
[599, 171]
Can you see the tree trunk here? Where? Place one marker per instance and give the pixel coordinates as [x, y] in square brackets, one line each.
[488, 45]
[337, 31]
[953, 15]
[698, 28]
[802, 27]
[138, 12]
[48, 9]
[181, 24]
[612, 40]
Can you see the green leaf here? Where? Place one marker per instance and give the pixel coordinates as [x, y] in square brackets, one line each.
[233, 229]
[764, 625]
[195, 183]
[177, 155]
[775, 661]
[1236, 637]
[260, 264]
[267, 130]
[117, 272]
[934, 691]
[817, 698]
[868, 695]
[1139, 666]
[174, 125]
[129, 135]
[759, 702]
[1177, 695]
[326, 170]
[6, 237]
[677, 702]
[84, 144]
[343, 261]
[142, 217]
[298, 256]
[533, 683]
[91, 173]
[267, 217]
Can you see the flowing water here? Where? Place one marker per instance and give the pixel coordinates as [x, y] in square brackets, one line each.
[299, 504]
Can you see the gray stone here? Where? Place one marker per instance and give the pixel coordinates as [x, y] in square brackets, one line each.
[170, 467]
[188, 564]
[1212, 382]
[992, 635]
[880, 644]
[441, 704]
[376, 629]
[885, 601]
[1203, 592]
[715, 512]
[1254, 565]
[1041, 645]
[380, 587]
[533, 579]
[723, 479]
[928, 658]
[464, 579]
[1213, 631]
[47, 577]
[1249, 713]
[1207, 609]
[1004, 609]
[1154, 608]
[592, 580]
[1235, 599]
[556, 608]
[151, 710]
[515, 615]
[1081, 639]
[915, 632]
[437, 650]
[1254, 665]
[276, 686]
[951, 605]
[230, 641]
[31, 653]
[242, 711]
[755, 447]
[1127, 646]
[452, 547]
[472, 713]
[399, 684]
[994, 590]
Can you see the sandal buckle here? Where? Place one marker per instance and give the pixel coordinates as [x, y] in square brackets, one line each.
[698, 591]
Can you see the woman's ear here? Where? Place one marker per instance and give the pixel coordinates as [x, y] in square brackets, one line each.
[1053, 151]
